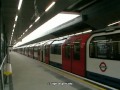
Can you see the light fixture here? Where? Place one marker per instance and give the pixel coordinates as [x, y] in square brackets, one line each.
[30, 26]
[37, 19]
[19, 5]
[13, 29]
[16, 18]
[14, 25]
[26, 30]
[50, 6]
[48, 26]
[87, 31]
[114, 23]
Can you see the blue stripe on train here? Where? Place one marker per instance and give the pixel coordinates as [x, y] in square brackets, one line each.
[58, 65]
[104, 79]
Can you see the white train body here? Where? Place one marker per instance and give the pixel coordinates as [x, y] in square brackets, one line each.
[103, 57]
[56, 53]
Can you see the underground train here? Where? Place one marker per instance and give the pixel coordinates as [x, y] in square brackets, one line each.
[94, 55]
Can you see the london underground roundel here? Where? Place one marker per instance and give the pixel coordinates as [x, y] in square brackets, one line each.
[103, 66]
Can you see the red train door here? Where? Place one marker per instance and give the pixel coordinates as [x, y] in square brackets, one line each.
[73, 54]
[78, 62]
[66, 56]
[47, 54]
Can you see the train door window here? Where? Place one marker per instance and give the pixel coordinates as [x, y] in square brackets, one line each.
[67, 51]
[107, 47]
[76, 51]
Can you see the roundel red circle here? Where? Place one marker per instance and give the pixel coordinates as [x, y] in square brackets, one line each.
[103, 66]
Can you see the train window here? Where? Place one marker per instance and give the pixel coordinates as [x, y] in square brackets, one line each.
[56, 49]
[67, 51]
[106, 47]
[76, 50]
[35, 49]
[52, 49]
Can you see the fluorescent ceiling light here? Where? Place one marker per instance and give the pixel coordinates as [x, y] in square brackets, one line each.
[26, 30]
[47, 27]
[13, 29]
[114, 23]
[19, 5]
[16, 18]
[87, 31]
[51, 5]
[14, 25]
[37, 19]
[30, 26]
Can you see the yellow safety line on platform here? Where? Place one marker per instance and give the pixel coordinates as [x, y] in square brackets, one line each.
[73, 77]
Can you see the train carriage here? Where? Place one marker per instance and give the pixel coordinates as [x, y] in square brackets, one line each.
[103, 57]
[56, 53]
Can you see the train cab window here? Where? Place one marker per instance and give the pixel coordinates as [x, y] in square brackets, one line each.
[67, 51]
[106, 47]
[76, 52]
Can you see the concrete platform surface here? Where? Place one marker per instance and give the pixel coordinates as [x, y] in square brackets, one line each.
[28, 74]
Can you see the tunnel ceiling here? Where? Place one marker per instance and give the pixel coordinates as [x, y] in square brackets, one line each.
[96, 14]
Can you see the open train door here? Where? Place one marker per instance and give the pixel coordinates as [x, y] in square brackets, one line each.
[74, 54]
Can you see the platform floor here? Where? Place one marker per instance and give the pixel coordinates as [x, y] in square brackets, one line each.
[29, 74]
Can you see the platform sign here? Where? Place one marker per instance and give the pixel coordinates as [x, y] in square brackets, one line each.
[103, 66]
